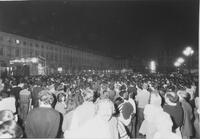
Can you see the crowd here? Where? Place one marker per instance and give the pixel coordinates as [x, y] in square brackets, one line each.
[100, 105]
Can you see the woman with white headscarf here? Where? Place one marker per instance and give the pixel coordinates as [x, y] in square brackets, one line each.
[151, 111]
[97, 127]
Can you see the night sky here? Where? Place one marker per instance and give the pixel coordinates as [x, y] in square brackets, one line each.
[116, 28]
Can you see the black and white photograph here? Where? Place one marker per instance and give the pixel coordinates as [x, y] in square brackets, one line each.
[99, 69]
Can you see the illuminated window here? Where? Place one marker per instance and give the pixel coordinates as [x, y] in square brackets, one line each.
[17, 41]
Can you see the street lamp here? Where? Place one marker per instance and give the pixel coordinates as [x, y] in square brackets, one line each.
[188, 51]
[180, 60]
[177, 64]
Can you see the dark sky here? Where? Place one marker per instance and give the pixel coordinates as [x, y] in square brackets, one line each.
[117, 28]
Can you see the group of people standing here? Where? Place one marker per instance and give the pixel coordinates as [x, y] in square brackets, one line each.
[100, 105]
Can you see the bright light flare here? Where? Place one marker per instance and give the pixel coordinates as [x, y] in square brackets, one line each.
[17, 41]
[153, 66]
[34, 60]
[177, 64]
[188, 51]
[180, 60]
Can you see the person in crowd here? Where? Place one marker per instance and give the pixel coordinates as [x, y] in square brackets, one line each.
[142, 99]
[15, 92]
[10, 129]
[1, 85]
[98, 126]
[25, 101]
[6, 115]
[88, 108]
[8, 103]
[187, 128]
[132, 91]
[34, 94]
[196, 120]
[44, 121]
[174, 109]
[164, 131]
[61, 103]
[8, 126]
[151, 111]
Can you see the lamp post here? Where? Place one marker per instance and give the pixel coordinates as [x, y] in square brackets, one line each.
[179, 62]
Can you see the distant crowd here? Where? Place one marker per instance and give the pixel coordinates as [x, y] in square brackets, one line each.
[99, 105]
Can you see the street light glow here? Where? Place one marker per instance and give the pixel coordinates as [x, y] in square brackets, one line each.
[180, 60]
[177, 64]
[188, 51]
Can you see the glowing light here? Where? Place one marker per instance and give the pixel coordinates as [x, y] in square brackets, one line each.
[34, 60]
[188, 51]
[153, 66]
[177, 64]
[60, 69]
[17, 41]
[180, 60]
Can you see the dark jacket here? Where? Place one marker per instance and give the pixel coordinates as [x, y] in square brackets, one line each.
[187, 128]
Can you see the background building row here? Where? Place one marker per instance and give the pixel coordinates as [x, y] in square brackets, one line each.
[52, 55]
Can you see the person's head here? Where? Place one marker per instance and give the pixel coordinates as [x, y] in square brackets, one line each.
[155, 99]
[6, 115]
[45, 97]
[105, 109]
[25, 86]
[14, 83]
[182, 94]
[10, 129]
[87, 94]
[145, 86]
[171, 97]
[124, 94]
[61, 97]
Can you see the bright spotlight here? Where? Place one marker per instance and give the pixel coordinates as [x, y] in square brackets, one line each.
[153, 66]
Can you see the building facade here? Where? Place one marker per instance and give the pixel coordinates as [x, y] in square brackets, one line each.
[14, 46]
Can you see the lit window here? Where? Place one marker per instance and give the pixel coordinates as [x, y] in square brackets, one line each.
[17, 41]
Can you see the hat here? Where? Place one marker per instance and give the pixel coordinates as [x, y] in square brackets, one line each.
[173, 97]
